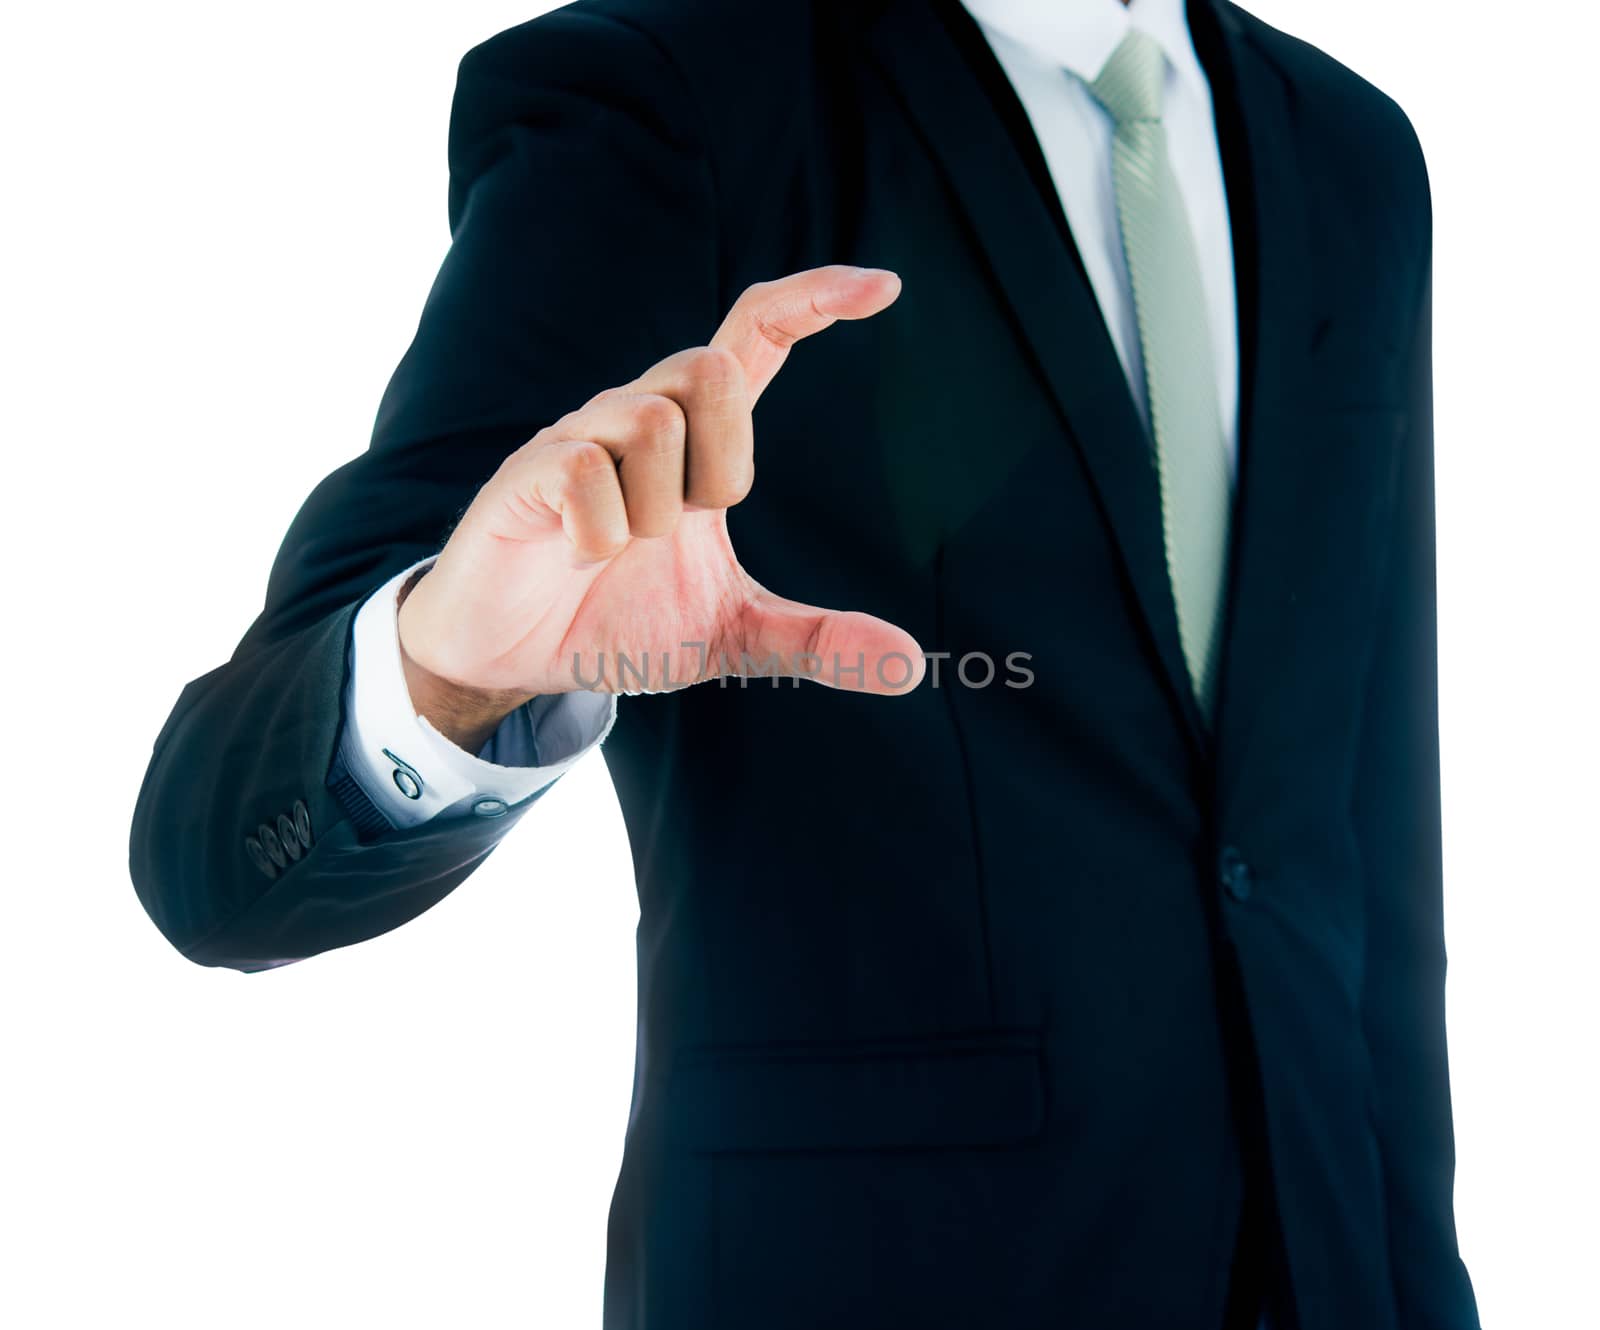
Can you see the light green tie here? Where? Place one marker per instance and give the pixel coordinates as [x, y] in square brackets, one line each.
[1174, 335]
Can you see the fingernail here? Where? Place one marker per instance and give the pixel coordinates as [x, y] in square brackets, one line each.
[870, 272]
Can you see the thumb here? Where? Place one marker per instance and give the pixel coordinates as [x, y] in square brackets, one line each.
[840, 648]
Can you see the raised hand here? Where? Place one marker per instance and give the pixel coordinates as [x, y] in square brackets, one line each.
[600, 547]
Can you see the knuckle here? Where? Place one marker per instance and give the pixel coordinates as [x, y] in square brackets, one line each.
[603, 396]
[584, 464]
[658, 423]
[755, 293]
[712, 365]
[770, 328]
[525, 453]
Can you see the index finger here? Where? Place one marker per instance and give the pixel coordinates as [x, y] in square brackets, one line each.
[770, 317]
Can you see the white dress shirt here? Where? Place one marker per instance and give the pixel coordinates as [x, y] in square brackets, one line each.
[1049, 52]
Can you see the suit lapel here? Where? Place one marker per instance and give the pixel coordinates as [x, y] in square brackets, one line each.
[1266, 201]
[1041, 282]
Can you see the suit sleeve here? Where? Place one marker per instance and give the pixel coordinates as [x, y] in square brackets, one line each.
[582, 250]
[1397, 819]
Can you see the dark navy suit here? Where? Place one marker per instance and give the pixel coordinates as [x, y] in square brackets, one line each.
[988, 1007]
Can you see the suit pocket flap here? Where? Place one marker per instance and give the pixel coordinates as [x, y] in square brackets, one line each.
[972, 1090]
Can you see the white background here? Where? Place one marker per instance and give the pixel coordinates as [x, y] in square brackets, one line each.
[220, 225]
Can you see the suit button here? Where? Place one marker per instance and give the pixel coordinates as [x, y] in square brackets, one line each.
[270, 843]
[259, 856]
[302, 822]
[1234, 873]
[289, 836]
[489, 807]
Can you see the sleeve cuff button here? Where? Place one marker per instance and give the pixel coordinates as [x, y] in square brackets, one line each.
[258, 856]
[272, 845]
[289, 837]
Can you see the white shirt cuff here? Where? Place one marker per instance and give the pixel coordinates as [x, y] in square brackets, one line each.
[411, 771]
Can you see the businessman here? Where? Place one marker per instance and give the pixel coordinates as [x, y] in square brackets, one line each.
[972, 466]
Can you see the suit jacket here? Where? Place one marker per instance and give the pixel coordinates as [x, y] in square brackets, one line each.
[972, 1007]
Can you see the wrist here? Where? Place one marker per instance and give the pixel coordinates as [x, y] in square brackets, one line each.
[465, 715]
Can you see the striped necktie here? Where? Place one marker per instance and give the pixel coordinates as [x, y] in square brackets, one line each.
[1174, 336]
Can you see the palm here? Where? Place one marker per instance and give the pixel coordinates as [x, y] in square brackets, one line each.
[661, 614]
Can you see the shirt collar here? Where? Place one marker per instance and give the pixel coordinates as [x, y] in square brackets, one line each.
[1080, 35]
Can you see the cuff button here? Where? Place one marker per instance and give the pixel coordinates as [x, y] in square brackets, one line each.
[489, 807]
[406, 779]
[258, 856]
[302, 822]
[289, 836]
[270, 843]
